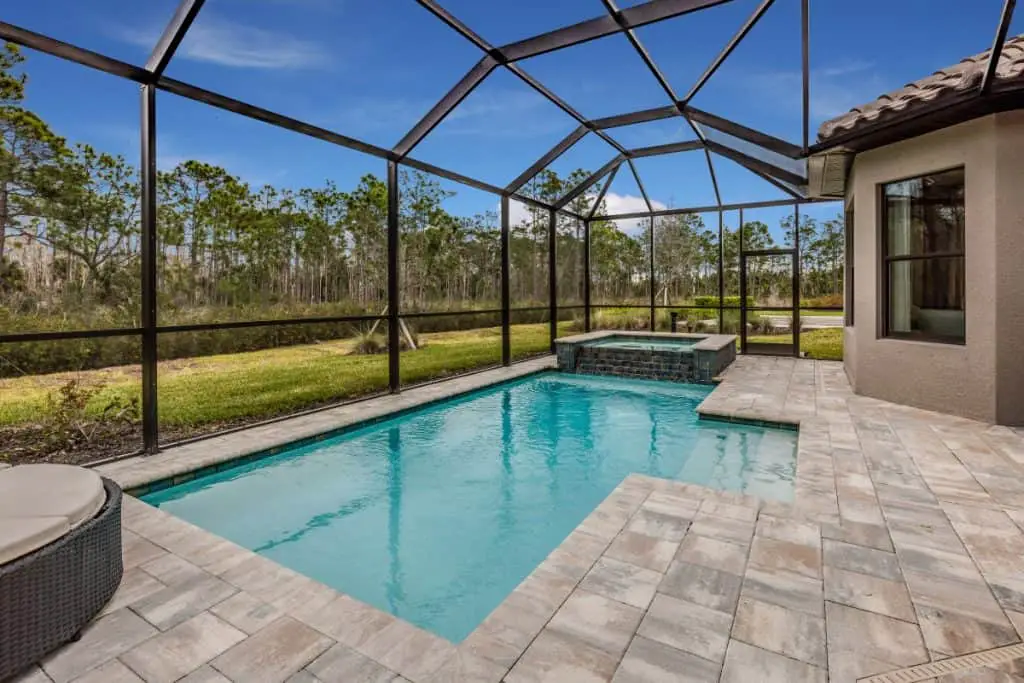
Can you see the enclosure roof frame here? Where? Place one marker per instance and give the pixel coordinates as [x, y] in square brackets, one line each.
[613, 21]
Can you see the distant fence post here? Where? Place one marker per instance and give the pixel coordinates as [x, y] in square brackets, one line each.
[674, 317]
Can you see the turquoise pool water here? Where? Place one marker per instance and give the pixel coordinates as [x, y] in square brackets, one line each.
[436, 515]
[645, 344]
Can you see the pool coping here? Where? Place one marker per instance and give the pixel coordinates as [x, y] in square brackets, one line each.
[486, 652]
[708, 342]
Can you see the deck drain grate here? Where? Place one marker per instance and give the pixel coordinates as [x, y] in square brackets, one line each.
[942, 667]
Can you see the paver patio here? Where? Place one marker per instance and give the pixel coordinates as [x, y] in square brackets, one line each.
[904, 545]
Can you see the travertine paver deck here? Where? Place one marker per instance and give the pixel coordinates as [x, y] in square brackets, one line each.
[904, 544]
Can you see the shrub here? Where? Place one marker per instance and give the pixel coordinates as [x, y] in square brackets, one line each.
[712, 301]
[620, 319]
[761, 325]
[824, 301]
[368, 344]
[403, 343]
[72, 423]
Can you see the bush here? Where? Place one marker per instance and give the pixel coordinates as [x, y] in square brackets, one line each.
[403, 343]
[825, 301]
[712, 301]
[761, 325]
[70, 424]
[620, 319]
[368, 344]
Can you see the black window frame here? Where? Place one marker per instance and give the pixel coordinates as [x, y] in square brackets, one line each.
[848, 275]
[886, 260]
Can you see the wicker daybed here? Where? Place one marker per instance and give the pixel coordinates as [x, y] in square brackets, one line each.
[60, 557]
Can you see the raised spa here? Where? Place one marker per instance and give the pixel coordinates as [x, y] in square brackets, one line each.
[672, 357]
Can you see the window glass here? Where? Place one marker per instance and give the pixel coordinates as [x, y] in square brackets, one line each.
[923, 219]
[926, 296]
[926, 215]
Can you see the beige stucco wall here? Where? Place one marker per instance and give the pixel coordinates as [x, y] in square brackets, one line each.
[984, 378]
[1009, 268]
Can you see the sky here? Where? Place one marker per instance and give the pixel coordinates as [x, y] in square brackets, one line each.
[371, 70]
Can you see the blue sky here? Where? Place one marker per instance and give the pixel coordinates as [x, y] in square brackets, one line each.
[372, 69]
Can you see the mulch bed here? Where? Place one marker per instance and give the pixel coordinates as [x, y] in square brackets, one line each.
[32, 443]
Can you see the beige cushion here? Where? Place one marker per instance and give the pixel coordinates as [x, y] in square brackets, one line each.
[21, 535]
[41, 503]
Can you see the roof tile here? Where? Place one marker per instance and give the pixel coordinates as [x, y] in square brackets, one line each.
[943, 84]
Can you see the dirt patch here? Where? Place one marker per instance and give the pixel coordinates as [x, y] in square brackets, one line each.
[34, 443]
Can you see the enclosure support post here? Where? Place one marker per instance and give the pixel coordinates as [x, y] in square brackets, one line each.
[721, 274]
[796, 280]
[805, 41]
[743, 289]
[654, 291]
[506, 314]
[150, 436]
[553, 275]
[586, 276]
[394, 352]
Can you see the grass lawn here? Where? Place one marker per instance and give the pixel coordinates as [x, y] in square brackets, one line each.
[240, 387]
[817, 311]
[824, 344]
[216, 389]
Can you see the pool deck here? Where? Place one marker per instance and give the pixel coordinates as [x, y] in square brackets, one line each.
[904, 546]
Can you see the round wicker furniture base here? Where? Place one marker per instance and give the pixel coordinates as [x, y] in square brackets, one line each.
[49, 595]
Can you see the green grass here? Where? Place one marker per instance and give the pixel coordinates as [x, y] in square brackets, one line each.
[817, 311]
[256, 384]
[824, 344]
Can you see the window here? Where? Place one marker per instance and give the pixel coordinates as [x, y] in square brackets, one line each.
[848, 299]
[923, 258]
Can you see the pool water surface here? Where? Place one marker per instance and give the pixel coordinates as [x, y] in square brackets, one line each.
[436, 515]
[645, 344]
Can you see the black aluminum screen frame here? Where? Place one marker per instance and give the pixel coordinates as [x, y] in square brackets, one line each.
[152, 79]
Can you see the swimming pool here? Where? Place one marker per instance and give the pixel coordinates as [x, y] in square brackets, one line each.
[436, 515]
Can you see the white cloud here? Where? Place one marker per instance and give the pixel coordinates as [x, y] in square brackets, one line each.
[226, 43]
[617, 203]
[835, 88]
[518, 212]
[614, 203]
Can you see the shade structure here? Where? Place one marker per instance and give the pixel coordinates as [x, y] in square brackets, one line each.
[657, 146]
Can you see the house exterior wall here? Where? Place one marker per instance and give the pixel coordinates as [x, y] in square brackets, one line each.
[1009, 268]
[984, 378]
